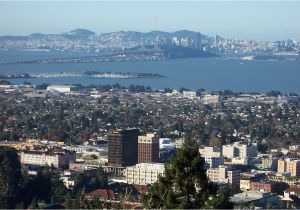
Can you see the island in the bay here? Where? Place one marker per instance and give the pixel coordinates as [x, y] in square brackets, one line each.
[96, 74]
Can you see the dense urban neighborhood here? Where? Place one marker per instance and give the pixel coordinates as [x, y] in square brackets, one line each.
[154, 45]
[108, 146]
[149, 104]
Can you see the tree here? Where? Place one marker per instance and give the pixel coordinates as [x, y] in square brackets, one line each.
[101, 177]
[5, 82]
[42, 86]
[96, 203]
[69, 203]
[27, 83]
[221, 201]
[168, 90]
[185, 184]
[273, 93]
[215, 141]
[183, 89]
[34, 204]
[45, 186]
[227, 93]
[88, 183]
[10, 177]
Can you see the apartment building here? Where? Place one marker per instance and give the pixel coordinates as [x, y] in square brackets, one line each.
[289, 165]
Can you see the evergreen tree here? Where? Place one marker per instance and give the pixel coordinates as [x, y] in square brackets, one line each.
[10, 177]
[34, 204]
[185, 184]
[69, 203]
[96, 203]
[101, 177]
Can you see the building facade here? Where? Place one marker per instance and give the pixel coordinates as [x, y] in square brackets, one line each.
[212, 156]
[224, 174]
[269, 186]
[289, 165]
[123, 147]
[148, 148]
[144, 173]
[37, 158]
[59, 88]
[239, 149]
[247, 178]
[210, 99]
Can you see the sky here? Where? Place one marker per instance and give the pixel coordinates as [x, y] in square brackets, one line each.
[251, 20]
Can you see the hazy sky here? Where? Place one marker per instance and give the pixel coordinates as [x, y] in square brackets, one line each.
[247, 20]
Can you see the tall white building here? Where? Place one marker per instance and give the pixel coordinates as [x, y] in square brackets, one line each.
[239, 149]
[212, 156]
[144, 173]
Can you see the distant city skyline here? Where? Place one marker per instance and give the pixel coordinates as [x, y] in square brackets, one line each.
[252, 20]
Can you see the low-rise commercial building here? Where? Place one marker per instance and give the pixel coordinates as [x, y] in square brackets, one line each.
[247, 178]
[256, 198]
[59, 88]
[210, 99]
[268, 186]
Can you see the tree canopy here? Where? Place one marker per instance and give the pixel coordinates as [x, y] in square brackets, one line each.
[185, 184]
[10, 177]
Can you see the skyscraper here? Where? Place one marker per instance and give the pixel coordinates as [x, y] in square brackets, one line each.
[148, 148]
[123, 147]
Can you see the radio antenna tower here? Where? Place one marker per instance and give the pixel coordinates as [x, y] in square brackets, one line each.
[155, 24]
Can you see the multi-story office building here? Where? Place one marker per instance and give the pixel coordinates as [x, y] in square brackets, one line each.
[144, 173]
[49, 158]
[224, 174]
[289, 165]
[123, 147]
[148, 148]
[239, 149]
[212, 156]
